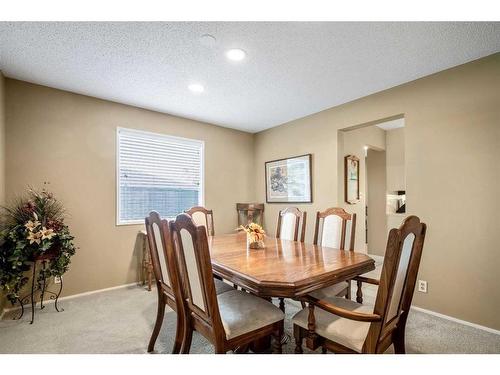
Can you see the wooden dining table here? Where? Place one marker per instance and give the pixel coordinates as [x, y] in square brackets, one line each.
[283, 269]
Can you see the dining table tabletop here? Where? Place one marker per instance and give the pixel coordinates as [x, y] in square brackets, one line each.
[283, 268]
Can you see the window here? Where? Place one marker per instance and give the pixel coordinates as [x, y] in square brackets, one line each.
[157, 172]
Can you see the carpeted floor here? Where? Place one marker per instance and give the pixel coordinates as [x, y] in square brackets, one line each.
[120, 321]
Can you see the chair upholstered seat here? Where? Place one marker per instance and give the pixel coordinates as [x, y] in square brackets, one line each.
[222, 287]
[349, 333]
[242, 312]
[330, 291]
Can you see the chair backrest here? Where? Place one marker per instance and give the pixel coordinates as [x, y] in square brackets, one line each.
[397, 280]
[335, 228]
[289, 222]
[203, 216]
[165, 265]
[191, 245]
[250, 213]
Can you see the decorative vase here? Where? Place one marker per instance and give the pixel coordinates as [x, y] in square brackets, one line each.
[254, 243]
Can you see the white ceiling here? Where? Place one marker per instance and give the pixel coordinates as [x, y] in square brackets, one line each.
[293, 69]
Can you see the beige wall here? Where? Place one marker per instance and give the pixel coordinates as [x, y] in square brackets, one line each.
[69, 140]
[395, 155]
[376, 200]
[452, 146]
[353, 142]
[2, 159]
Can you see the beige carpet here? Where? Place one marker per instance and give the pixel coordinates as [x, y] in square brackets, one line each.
[120, 321]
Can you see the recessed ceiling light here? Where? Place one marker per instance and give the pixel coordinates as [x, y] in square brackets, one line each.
[196, 88]
[236, 54]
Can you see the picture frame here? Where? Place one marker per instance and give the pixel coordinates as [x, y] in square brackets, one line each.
[289, 180]
[351, 179]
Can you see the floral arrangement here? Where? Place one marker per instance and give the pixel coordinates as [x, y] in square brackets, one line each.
[31, 228]
[255, 235]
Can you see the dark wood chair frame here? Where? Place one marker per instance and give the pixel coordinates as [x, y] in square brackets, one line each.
[209, 218]
[345, 216]
[384, 330]
[208, 323]
[167, 295]
[251, 210]
[299, 217]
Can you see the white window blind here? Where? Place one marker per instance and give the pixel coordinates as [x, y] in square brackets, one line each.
[157, 172]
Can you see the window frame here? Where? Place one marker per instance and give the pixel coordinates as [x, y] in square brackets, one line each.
[201, 198]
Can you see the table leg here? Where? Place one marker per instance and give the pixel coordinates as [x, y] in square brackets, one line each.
[150, 276]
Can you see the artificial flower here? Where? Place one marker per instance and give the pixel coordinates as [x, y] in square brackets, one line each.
[31, 225]
[254, 229]
[47, 233]
[35, 237]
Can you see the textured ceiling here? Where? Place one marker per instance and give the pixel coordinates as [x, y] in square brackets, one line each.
[293, 69]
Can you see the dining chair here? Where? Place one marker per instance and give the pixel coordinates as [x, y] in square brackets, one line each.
[250, 213]
[203, 216]
[167, 277]
[168, 281]
[335, 228]
[290, 220]
[345, 326]
[230, 320]
[287, 228]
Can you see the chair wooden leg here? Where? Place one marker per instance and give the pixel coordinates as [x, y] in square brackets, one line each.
[276, 335]
[159, 321]
[179, 334]
[187, 337]
[282, 304]
[220, 350]
[399, 341]
[303, 304]
[359, 292]
[297, 333]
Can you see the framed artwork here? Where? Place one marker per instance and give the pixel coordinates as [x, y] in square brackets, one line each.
[351, 178]
[289, 180]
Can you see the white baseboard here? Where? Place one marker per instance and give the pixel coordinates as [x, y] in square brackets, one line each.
[380, 259]
[50, 301]
[464, 322]
[377, 258]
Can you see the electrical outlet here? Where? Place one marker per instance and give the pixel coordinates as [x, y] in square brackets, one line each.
[422, 286]
[57, 280]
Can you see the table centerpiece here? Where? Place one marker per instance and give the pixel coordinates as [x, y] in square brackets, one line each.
[255, 235]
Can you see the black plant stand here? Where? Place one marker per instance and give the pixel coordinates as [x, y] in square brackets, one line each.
[41, 289]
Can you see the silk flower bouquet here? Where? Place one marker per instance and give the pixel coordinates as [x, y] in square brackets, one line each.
[33, 228]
